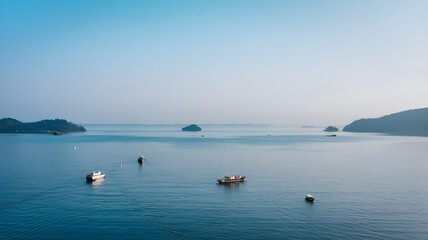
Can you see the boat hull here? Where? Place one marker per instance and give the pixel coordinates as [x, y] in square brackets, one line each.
[309, 198]
[90, 178]
[229, 182]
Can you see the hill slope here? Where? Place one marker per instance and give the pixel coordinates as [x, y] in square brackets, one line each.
[10, 125]
[411, 122]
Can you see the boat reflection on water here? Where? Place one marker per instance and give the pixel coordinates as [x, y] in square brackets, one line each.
[97, 183]
[231, 187]
[230, 191]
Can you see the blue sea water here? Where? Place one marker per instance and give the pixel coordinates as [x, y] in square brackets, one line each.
[366, 186]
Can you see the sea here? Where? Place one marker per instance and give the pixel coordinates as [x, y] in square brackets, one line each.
[366, 186]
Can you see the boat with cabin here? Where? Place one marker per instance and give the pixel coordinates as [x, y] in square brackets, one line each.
[309, 198]
[231, 179]
[93, 176]
[141, 159]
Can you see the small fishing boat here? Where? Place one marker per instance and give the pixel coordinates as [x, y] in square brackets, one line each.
[93, 176]
[231, 179]
[309, 198]
[331, 135]
[141, 159]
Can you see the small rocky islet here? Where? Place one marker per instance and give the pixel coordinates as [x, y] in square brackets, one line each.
[331, 129]
[191, 128]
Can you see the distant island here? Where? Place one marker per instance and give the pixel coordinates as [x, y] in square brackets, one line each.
[191, 128]
[56, 127]
[411, 122]
[331, 129]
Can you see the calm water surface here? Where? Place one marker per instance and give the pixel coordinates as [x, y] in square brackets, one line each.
[366, 186]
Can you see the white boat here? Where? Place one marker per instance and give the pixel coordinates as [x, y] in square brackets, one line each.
[231, 179]
[141, 159]
[309, 198]
[93, 176]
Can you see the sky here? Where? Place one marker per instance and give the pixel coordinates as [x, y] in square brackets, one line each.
[225, 61]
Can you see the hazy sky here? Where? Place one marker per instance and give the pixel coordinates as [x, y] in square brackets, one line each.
[282, 62]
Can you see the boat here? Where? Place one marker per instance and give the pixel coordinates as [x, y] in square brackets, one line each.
[93, 176]
[309, 198]
[231, 179]
[331, 135]
[141, 159]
